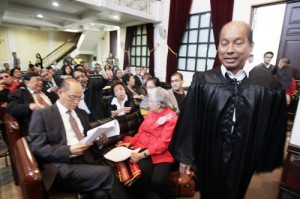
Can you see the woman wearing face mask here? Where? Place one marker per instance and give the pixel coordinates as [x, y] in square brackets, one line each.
[121, 103]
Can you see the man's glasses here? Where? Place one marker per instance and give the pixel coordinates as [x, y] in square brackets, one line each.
[176, 80]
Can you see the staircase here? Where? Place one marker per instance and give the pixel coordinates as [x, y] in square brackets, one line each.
[60, 52]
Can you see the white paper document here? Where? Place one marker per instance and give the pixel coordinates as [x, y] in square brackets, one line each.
[119, 154]
[111, 128]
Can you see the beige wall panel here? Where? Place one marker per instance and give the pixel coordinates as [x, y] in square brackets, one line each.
[3, 46]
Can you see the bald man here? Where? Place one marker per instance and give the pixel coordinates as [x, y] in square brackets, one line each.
[233, 122]
[67, 163]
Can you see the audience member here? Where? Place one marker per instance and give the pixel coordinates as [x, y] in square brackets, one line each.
[138, 77]
[51, 71]
[266, 65]
[94, 62]
[285, 76]
[110, 60]
[177, 93]
[68, 60]
[16, 75]
[233, 122]
[98, 69]
[32, 69]
[67, 71]
[66, 162]
[130, 82]
[78, 59]
[153, 137]
[50, 84]
[6, 67]
[23, 101]
[38, 61]
[118, 75]
[121, 103]
[92, 101]
[7, 84]
[127, 70]
[17, 62]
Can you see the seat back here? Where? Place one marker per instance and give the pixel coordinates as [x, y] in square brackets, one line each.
[29, 176]
[11, 134]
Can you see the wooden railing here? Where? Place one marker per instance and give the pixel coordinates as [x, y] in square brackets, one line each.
[61, 51]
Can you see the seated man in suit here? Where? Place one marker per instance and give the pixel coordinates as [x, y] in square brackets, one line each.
[23, 101]
[92, 101]
[50, 84]
[55, 143]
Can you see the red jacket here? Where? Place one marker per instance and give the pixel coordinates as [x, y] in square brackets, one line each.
[155, 134]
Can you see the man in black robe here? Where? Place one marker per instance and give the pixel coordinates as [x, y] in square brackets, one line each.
[233, 122]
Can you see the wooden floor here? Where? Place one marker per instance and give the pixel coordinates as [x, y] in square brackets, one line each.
[262, 186]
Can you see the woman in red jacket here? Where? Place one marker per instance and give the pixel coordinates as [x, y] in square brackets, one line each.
[153, 138]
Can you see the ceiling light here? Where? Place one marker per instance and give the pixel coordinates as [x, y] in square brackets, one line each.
[115, 17]
[39, 16]
[92, 24]
[55, 4]
[71, 30]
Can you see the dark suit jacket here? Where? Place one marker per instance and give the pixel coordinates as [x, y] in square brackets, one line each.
[272, 69]
[138, 82]
[18, 106]
[48, 140]
[93, 98]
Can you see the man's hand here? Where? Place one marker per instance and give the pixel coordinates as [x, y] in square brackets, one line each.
[34, 106]
[78, 149]
[185, 169]
[101, 139]
[54, 89]
[126, 144]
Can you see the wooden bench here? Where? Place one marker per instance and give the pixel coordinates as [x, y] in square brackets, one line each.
[25, 167]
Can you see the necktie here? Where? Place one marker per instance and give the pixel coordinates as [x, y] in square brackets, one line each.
[40, 100]
[74, 126]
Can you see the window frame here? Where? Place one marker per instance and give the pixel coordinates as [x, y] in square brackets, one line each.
[208, 42]
[138, 46]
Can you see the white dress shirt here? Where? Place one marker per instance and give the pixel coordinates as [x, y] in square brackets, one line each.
[70, 134]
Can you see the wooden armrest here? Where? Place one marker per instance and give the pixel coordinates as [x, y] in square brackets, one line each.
[28, 172]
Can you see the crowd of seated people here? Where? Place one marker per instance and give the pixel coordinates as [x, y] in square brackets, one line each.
[34, 93]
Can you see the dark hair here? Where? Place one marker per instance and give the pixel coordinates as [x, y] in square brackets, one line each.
[115, 83]
[269, 52]
[80, 70]
[126, 77]
[12, 71]
[31, 65]
[95, 58]
[78, 65]
[251, 55]
[177, 74]
[155, 81]
[29, 75]
[63, 70]
[4, 71]
[49, 67]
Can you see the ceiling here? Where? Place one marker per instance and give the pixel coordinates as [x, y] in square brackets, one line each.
[70, 15]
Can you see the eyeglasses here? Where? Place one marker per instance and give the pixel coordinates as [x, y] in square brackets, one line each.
[80, 76]
[176, 80]
[73, 97]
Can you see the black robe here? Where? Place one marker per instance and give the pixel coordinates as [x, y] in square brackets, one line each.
[226, 159]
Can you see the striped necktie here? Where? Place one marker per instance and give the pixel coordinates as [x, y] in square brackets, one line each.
[40, 100]
[74, 126]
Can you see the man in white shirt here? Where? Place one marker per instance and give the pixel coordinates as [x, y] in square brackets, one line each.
[55, 133]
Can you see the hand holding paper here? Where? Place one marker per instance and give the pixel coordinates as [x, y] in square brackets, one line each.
[110, 129]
